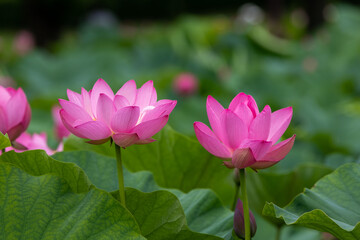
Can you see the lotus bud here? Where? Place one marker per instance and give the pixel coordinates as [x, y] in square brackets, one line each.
[15, 112]
[24, 42]
[239, 223]
[185, 84]
[236, 177]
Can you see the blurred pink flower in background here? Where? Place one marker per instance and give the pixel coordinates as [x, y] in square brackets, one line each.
[27, 141]
[310, 64]
[131, 116]
[59, 128]
[6, 81]
[24, 42]
[185, 84]
[245, 135]
[15, 113]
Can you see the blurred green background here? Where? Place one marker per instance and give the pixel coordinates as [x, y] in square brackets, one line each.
[304, 54]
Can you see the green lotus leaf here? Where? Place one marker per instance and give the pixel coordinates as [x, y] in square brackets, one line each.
[160, 215]
[73, 143]
[205, 213]
[187, 234]
[178, 161]
[203, 209]
[175, 160]
[281, 187]
[4, 141]
[332, 205]
[37, 163]
[45, 207]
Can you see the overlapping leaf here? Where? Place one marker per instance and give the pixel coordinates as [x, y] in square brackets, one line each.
[281, 187]
[160, 215]
[45, 207]
[332, 205]
[179, 162]
[4, 141]
[174, 159]
[38, 163]
[204, 211]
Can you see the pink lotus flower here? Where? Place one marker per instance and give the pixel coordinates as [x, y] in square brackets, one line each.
[27, 141]
[131, 116]
[60, 130]
[185, 84]
[24, 42]
[244, 135]
[15, 112]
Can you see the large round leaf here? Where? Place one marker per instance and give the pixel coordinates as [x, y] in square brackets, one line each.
[164, 205]
[204, 211]
[37, 163]
[281, 187]
[332, 205]
[160, 215]
[106, 178]
[45, 207]
[180, 162]
[73, 143]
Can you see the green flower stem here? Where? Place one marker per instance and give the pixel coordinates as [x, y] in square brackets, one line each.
[237, 188]
[245, 204]
[278, 233]
[120, 174]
